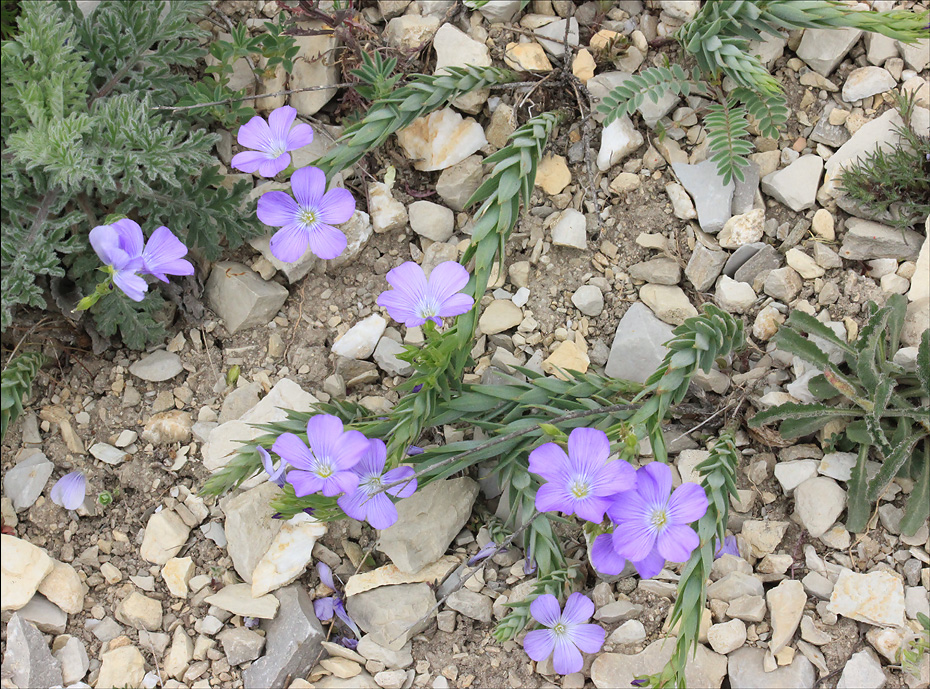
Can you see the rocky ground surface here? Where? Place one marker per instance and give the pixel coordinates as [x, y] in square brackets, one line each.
[156, 589]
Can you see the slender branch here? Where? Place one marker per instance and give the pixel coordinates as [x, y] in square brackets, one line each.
[176, 108]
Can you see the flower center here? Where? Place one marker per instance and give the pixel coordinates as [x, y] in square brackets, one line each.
[428, 307]
[659, 519]
[307, 217]
[560, 629]
[324, 468]
[579, 488]
[372, 484]
[278, 151]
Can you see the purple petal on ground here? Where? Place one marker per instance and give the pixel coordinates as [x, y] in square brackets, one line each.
[381, 511]
[131, 239]
[588, 448]
[324, 608]
[300, 135]
[354, 504]
[255, 134]
[550, 462]
[578, 609]
[69, 490]
[729, 547]
[654, 483]
[566, 658]
[456, 305]
[676, 542]
[634, 540]
[588, 637]
[687, 504]
[277, 209]
[279, 123]
[132, 285]
[164, 255]
[289, 243]
[350, 449]
[446, 279]
[292, 450]
[326, 575]
[272, 166]
[539, 644]
[249, 161]
[404, 490]
[604, 558]
[552, 497]
[344, 616]
[651, 565]
[592, 508]
[308, 185]
[336, 206]
[304, 482]
[545, 609]
[327, 242]
[400, 308]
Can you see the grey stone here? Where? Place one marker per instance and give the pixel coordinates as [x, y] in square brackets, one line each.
[735, 585]
[712, 198]
[393, 658]
[746, 671]
[27, 661]
[239, 401]
[744, 193]
[618, 140]
[427, 522]
[796, 185]
[589, 300]
[241, 645]
[106, 629]
[249, 527]
[571, 230]
[866, 239]
[612, 670]
[618, 611]
[782, 284]
[108, 454]
[662, 271]
[705, 266]
[74, 661]
[819, 502]
[747, 608]
[833, 135]
[25, 482]
[457, 183]
[158, 366]
[739, 257]
[865, 82]
[44, 614]
[392, 615]
[765, 259]
[241, 298]
[385, 356]
[431, 220]
[823, 49]
[471, 604]
[638, 349]
[863, 670]
[293, 641]
[552, 36]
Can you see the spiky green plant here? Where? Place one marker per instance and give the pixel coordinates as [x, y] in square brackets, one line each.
[15, 385]
[883, 405]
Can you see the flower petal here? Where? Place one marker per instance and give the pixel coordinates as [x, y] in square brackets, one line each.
[352, 446]
[634, 540]
[324, 431]
[164, 255]
[324, 607]
[292, 450]
[676, 542]
[249, 161]
[105, 243]
[539, 644]
[603, 556]
[654, 483]
[131, 239]
[304, 482]
[290, 243]
[336, 206]
[308, 185]
[552, 497]
[132, 285]
[588, 449]
[340, 482]
[272, 166]
[381, 511]
[69, 491]
[578, 609]
[279, 123]
[588, 637]
[566, 658]
[326, 575]
[446, 279]
[277, 209]
[354, 504]
[373, 461]
[255, 134]
[651, 565]
[592, 508]
[455, 305]
[399, 308]
[612, 478]
[299, 136]
[687, 504]
[626, 506]
[545, 610]
[550, 462]
[409, 281]
[404, 490]
[327, 242]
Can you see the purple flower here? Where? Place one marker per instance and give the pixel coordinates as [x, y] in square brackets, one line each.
[567, 632]
[164, 255]
[413, 450]
[369, 502]
[121, 246]
[275, 475]
[606, 559]
[326, 607]
[69, 490]
[486, 551]
[414, 300]
[728, 547]
[309, 220]
[327, 464]
[581, 482]
[652, 521]
[271, 141]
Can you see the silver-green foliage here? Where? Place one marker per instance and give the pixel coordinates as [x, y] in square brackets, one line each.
[16, 384]
[81, 141]
[885, 407]
[718, 38]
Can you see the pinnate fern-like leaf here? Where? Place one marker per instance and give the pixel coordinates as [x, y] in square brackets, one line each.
[651, 83]
[727, 129]
[769, 110]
